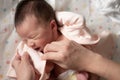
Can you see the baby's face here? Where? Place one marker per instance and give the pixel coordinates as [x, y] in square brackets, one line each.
[34, 34]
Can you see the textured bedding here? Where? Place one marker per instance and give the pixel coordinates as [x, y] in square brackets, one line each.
[99, 16]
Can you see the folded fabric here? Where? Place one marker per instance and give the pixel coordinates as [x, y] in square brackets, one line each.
[74, 28]
[37, 62]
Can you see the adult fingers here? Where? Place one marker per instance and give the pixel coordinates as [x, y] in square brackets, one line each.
[56, 45]
[51, 47]
[54, 56]
[26, 58]
[16, 61]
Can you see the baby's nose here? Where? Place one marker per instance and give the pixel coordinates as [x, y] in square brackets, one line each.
[31, 44]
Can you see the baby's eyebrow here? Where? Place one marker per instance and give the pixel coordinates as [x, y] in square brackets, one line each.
[32, 34]
[38, 35]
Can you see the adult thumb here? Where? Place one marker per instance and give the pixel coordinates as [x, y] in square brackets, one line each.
[16, 61]
[26, 58]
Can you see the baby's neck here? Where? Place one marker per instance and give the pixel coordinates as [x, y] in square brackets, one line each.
[58, 36]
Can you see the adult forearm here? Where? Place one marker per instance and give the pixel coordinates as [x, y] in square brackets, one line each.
[104, 67]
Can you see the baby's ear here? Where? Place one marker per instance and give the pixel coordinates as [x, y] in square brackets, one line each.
[53, 24]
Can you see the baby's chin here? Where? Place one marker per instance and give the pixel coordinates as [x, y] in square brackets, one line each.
[49, 67]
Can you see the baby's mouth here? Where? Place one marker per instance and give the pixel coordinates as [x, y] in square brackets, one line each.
[38, 49]
[42, 52]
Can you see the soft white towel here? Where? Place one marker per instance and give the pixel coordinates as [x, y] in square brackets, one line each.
[37, 62]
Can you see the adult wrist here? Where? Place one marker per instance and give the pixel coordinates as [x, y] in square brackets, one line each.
[24, 78]
[94, 63]
[99, 66]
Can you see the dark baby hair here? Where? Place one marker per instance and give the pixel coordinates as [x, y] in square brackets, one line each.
[39, 8]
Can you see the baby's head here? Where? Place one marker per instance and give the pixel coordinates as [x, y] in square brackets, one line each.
[36, 23]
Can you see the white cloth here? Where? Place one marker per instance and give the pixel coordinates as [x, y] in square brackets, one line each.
[37, 62]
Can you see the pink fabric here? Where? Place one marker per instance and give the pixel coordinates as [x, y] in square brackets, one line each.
[82, 76]
[73, 75]
[75, 29]
[37, 62]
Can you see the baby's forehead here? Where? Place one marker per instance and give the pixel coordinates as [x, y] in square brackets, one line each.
[33, 18]
[31, 23]
[38, 20]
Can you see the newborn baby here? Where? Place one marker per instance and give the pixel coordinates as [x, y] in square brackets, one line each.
[74, 28]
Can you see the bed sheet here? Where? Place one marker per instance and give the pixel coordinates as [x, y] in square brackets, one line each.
[9, 39]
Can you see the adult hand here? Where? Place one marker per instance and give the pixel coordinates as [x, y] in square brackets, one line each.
[68, 54]
[23, 67]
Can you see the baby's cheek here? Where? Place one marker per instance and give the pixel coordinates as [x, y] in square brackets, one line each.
[49, 67]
